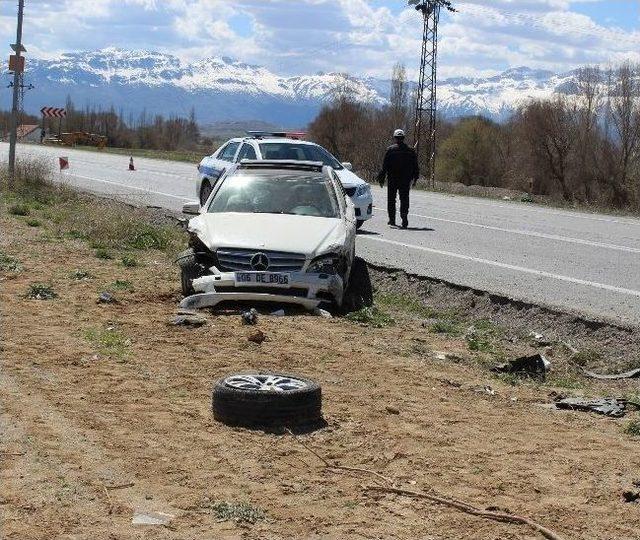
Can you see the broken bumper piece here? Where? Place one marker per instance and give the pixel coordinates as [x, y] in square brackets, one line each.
[299, 288]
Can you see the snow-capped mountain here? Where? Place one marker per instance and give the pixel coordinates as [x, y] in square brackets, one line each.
[222, 89]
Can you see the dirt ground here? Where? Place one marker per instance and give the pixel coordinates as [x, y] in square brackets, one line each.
[106, 411]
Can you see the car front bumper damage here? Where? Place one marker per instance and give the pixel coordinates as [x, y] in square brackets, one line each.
[306, 290]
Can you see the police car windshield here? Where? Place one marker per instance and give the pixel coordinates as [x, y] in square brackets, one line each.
[298, 152]
[285, 193]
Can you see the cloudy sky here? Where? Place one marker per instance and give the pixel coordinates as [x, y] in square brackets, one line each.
[362, 37]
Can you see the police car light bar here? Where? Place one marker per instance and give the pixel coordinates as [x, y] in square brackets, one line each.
[283, 134]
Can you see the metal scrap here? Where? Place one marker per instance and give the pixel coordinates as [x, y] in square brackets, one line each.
[633, 374]
[250, 317]
[606, 406]
[535, 366]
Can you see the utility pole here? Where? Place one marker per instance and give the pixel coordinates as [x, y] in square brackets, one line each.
[17, 86]
[424, 134]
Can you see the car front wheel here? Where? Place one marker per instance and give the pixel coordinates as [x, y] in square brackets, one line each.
[190, 269]
[359, 223]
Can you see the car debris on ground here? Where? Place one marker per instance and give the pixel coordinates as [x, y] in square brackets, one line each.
[319, 312]
[606, 406]
[535, 367]
[191, 319]
[632, 374]
[250, 317]
[151, 518]
[107, 298]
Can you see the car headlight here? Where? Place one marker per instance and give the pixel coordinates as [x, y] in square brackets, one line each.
[327, 264]
[362, 190]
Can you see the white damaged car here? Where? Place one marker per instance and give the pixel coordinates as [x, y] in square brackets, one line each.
[274, 231]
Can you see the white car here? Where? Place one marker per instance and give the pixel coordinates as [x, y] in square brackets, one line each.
[279, 146]
[275, 231]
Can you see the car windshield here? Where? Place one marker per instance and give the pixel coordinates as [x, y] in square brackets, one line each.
[298, 152]
[283, 193]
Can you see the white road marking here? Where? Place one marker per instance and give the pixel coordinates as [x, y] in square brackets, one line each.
[521, 206]
[532, 271]
[127, 186]
[532, 233]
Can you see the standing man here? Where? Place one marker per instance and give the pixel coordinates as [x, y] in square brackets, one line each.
[400, 167]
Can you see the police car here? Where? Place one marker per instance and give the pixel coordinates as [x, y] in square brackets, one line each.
[281, 146]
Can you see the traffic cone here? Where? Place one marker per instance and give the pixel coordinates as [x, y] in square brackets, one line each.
[131, 166]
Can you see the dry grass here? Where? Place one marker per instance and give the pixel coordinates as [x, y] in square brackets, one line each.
[107, 224]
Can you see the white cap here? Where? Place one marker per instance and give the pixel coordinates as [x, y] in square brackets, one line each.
[398, 133]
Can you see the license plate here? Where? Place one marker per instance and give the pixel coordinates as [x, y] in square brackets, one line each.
[269, 279]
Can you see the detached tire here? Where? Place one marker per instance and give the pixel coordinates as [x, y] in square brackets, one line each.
[267, 400]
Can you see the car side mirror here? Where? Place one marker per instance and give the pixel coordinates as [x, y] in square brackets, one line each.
[192, 208]
[348, 165]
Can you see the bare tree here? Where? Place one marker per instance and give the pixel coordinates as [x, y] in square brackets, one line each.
[590, 98]
[548, 128]
[624, 114]
[399, 96]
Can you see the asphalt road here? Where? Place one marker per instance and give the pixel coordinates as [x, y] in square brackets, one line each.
[586, 263]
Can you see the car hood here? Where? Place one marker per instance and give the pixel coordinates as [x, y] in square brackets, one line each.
[349, 179]
[309, 235]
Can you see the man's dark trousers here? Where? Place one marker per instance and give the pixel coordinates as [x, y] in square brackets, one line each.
[395, 187]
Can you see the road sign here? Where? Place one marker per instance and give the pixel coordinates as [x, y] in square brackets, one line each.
[53, 112]
[16, 63]
[64, 162]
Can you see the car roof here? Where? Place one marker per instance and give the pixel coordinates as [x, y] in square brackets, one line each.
[269, 140]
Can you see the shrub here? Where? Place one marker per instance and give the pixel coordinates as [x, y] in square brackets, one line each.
[41, 291]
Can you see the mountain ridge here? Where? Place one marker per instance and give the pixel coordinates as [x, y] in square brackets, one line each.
[223, 89]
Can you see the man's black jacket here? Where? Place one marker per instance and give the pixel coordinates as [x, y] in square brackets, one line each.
[400, 164]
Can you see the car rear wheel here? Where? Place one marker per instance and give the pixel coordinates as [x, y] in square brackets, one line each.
[267, 399]
[205, 191]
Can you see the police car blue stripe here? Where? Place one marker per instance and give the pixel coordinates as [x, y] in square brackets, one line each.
[209, 171]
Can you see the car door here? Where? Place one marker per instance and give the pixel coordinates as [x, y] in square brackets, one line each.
[246, 152]
[220, 162]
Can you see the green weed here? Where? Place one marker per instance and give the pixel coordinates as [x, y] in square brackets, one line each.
[80, 275]
[109, 341]
[41, 291]
[446, 326]
[19, 209]
[371, 316]
[407, 303]
[129, 262]
[104, 254]
[238, 512]
[9, 264]
[632, 428]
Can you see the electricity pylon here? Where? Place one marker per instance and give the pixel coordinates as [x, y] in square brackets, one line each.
[424, 134]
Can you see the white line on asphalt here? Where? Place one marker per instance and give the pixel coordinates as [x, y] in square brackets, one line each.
[128, 186]
[464, 199]
[532, 233]
[541, 273]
